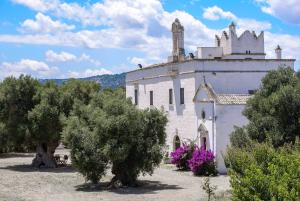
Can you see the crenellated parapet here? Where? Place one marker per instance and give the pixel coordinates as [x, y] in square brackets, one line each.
[247, 45]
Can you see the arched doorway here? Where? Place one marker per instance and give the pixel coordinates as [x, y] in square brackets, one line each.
[176, 142]
[204, 140]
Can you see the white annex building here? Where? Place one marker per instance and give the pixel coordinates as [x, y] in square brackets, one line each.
[204, 94]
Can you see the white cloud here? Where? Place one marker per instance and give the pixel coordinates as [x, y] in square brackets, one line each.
[85, 57]
[27, 66]
[59, 57]
[88, 73]
[217, 13]
[290, 45]
[288, 10]
[52, 56]
[138, 60]
[139, 25]
[44, 24]
[38, 5]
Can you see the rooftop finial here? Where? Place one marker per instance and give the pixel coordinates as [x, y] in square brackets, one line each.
[178, 53]
[278, 52]
[232, 27]
[278, 47]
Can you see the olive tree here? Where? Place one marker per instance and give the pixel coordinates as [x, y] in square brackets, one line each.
[16, 100]
[45, 124]
[48, 116]
[131, 140]
[274, 111]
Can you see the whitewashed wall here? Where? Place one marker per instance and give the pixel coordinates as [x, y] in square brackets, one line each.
[228, 116]
[225, 76]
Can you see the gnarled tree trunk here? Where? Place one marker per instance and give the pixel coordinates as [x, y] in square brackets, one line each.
[122, 177]
[45, 155]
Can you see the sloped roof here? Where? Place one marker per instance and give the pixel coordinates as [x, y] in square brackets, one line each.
[211, 95]
[232, 99]
[221, 99]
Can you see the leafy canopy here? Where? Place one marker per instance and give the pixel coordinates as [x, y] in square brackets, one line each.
[274, 111]
[117, 132]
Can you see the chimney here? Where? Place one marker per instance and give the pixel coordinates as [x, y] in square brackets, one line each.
[178, 53]
[232, 27]
[278, 52]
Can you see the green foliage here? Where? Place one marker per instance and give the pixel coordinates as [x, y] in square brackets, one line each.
[44, 118]
[274, 111]
[130, 139]
[264, 173]
[32, 114]
[77, 90]
[239, 138]
[87, 157]
[270, 170]
[16, 100]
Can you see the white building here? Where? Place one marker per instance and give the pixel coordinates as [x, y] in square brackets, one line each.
[205, 93]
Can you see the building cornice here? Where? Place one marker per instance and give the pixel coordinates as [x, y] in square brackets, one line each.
[197, 71]
[209, 60]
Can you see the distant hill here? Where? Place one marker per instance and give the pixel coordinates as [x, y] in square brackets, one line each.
[106, 81]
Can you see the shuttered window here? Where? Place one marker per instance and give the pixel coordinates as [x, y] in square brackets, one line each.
[170, 96]
[136, 97]
[151, 97]
[182, 96]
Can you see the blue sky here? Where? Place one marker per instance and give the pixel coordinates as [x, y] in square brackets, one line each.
[69, 38]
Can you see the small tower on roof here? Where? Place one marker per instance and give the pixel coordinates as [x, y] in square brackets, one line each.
[278, 52]
[232, 27]
[178, 53]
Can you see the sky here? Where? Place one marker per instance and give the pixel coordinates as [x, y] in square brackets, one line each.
[77, 38]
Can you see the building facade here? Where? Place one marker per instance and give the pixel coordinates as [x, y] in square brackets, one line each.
[203, 94]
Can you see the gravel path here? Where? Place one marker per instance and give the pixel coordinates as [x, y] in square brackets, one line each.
[19, 181]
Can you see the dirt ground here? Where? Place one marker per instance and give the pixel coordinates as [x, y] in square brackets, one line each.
[19, 181]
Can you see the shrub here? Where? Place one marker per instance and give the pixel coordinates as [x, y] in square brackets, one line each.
[202, 162]
[239, 138]
[264, 173]
[181, 156]
[112, 130]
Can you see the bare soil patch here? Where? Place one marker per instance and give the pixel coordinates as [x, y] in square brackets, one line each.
[19, 181]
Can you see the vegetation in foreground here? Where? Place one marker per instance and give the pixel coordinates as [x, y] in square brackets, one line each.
[111, 131]
[264, 157]
[102, 128]
[32, 115]
[197, 159]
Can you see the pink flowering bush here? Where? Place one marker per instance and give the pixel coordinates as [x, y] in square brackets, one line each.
[181, 156]
[202, 162]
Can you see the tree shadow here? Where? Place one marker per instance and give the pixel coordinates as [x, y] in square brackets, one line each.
[29, 168]
[143, 187]
[16, 155]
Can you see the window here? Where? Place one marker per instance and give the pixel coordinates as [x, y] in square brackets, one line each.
[252, 91]
[135, 96]
[203, 114]
[176, 142]
[170, 96]
[181, 96]
[151, 97]
[204, 143]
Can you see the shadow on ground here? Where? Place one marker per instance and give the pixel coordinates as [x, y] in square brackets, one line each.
[29, 168]
[144, 187]
[17, 155]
